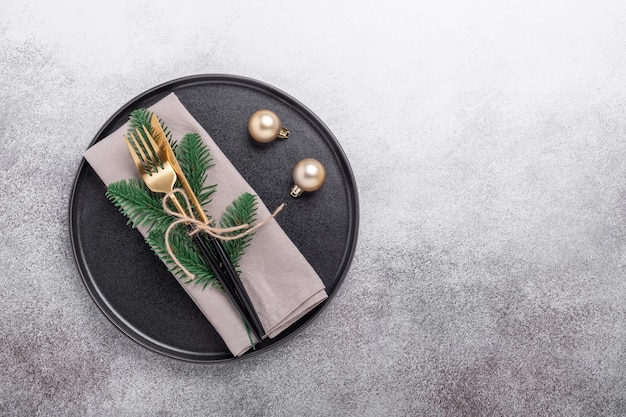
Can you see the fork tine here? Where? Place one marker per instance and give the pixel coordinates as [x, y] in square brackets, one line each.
[157, 150]
[143, 153]
[151, 150]
[133, 153]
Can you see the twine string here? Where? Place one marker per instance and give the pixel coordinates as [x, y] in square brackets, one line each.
[200, 226]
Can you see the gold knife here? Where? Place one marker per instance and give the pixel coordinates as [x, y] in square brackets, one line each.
[159, 137]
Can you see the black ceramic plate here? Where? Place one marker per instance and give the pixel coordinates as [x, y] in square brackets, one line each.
[133, 288]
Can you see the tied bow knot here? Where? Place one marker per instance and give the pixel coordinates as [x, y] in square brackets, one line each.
[224, 234]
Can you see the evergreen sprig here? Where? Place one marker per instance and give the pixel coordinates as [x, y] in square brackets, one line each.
[144, 208]
[138, 203]
[140, 118]
[188, 255]
[195, 159]
[241, 211]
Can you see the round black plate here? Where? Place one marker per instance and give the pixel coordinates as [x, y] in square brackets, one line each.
[133, 288]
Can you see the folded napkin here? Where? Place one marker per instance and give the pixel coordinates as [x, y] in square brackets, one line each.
[281, 284]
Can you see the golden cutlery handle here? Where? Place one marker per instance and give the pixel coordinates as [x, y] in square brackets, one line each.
[191, 195]
[179, 206]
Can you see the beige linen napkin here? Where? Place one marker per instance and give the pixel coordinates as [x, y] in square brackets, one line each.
[281, 283]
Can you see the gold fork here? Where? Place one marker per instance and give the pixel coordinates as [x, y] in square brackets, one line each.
[153, 166]
[159, 176]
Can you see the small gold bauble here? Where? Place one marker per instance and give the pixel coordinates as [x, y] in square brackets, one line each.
[308, 175]
[264, 126]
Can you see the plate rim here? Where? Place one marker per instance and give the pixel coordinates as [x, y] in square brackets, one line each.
[304, 111]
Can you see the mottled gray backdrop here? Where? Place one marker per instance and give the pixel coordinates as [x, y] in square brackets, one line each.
[488, 142]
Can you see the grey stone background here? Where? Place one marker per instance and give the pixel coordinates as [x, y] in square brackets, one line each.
[488, 141]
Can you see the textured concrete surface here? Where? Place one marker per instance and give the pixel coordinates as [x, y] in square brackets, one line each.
[488, 141]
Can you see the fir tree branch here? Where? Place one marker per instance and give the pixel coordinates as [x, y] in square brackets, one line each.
[138, 203]
[241, 211]
[141, 117]
[195, 159]
[186, 253]
[143, 207]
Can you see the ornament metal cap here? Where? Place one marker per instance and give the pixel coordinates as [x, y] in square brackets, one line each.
[308, 175]
[264, 126]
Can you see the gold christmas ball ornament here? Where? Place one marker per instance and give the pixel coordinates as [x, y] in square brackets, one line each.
[308, 175]
[264, 126]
